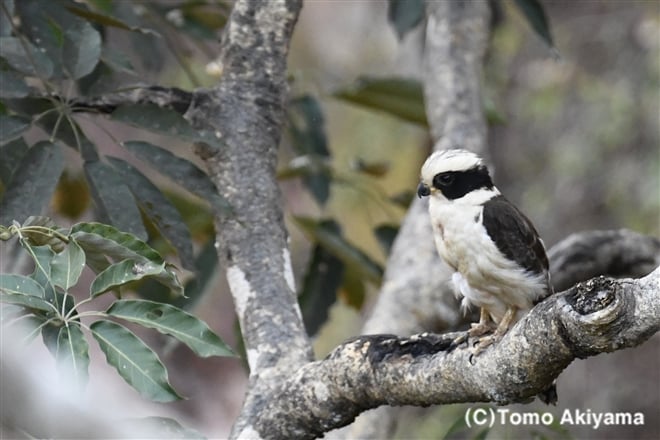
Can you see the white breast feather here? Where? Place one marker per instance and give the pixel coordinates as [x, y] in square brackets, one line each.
[484, 276]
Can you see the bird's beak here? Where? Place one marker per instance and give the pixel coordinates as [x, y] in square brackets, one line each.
[423, 190]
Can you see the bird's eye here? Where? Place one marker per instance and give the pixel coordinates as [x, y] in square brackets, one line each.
[443, 179]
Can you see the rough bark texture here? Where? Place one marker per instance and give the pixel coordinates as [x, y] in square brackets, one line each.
[245, 111]
[598, 316]
[614, 253]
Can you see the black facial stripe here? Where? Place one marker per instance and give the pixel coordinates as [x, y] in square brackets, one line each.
[462, 182]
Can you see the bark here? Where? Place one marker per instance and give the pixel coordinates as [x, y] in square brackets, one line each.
[597, 316]
[245, 111]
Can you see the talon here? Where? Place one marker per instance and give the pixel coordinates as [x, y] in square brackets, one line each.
[458, 341]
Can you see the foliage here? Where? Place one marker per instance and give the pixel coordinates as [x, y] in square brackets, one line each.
[45, 300]
[62, 83]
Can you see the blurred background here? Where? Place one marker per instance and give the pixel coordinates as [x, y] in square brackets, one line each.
[574, 141]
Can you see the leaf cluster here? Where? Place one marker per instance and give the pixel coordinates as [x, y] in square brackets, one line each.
[45, 301]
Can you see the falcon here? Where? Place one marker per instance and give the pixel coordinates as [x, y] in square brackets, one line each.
[499, 260]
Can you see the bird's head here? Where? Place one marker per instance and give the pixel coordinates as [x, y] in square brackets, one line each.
[452, 174]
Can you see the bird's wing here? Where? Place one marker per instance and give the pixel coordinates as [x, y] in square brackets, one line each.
[515, 236]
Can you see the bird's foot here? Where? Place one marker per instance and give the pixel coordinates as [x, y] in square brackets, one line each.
[476, 331]
[480, 328]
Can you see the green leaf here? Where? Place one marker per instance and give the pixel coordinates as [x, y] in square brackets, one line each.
[38, 25]
[12, 127]
[12, 84]
[125, 271]
[21, 285]
[535, 15]
[136, 363]
[97, 238]
[5, 24]
[172, 321]
[72, 354]
[319, 290]
[82, 48]
[159, 210]
[403, 98]
[73, 45]
[32, 184]
[30, 302]
[405, 15]
[163, 121]
[180, 170]
[33, 62]
[12, 154]
[107, 20]
[41, 237]
[386, 235]
[308, 137]
[325, 233]
[113, 199]
[66, 267]
[50, 333]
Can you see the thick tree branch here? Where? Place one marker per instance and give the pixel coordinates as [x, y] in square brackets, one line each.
[245, 111]
[177, 99]
[598, 316]
[613, 253]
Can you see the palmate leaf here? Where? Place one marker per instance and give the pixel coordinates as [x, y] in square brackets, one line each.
[180, 170]
[11, 154]
[42, 256]
[21, 285]
[12, 127]
[164, 121]
[66, 267]
[71, 43]
[107, 20]
[135, 362]
[159, 210]
[113, 199]
[33, 62]
[97, 238]
[100, 241]
[123, 272]
[400, 97]
[12, 85]
[29, 302]
[32, 183]
[72, 354]
[172, 321]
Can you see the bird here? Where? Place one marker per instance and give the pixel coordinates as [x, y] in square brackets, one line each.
[498, 258]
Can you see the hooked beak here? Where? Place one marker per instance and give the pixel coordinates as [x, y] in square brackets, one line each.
[423, 190]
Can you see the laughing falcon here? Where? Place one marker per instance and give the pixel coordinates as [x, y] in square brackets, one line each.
[499, 261]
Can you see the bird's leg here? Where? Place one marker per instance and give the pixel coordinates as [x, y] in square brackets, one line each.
[483, 326]
[501, 329]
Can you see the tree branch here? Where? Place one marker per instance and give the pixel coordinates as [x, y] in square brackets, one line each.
[614, 253]
[246, 111]
[598, 316]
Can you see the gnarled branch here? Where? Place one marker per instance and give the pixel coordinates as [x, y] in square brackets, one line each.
[596, 316]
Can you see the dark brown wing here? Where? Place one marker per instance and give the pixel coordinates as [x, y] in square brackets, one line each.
[515, 236]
